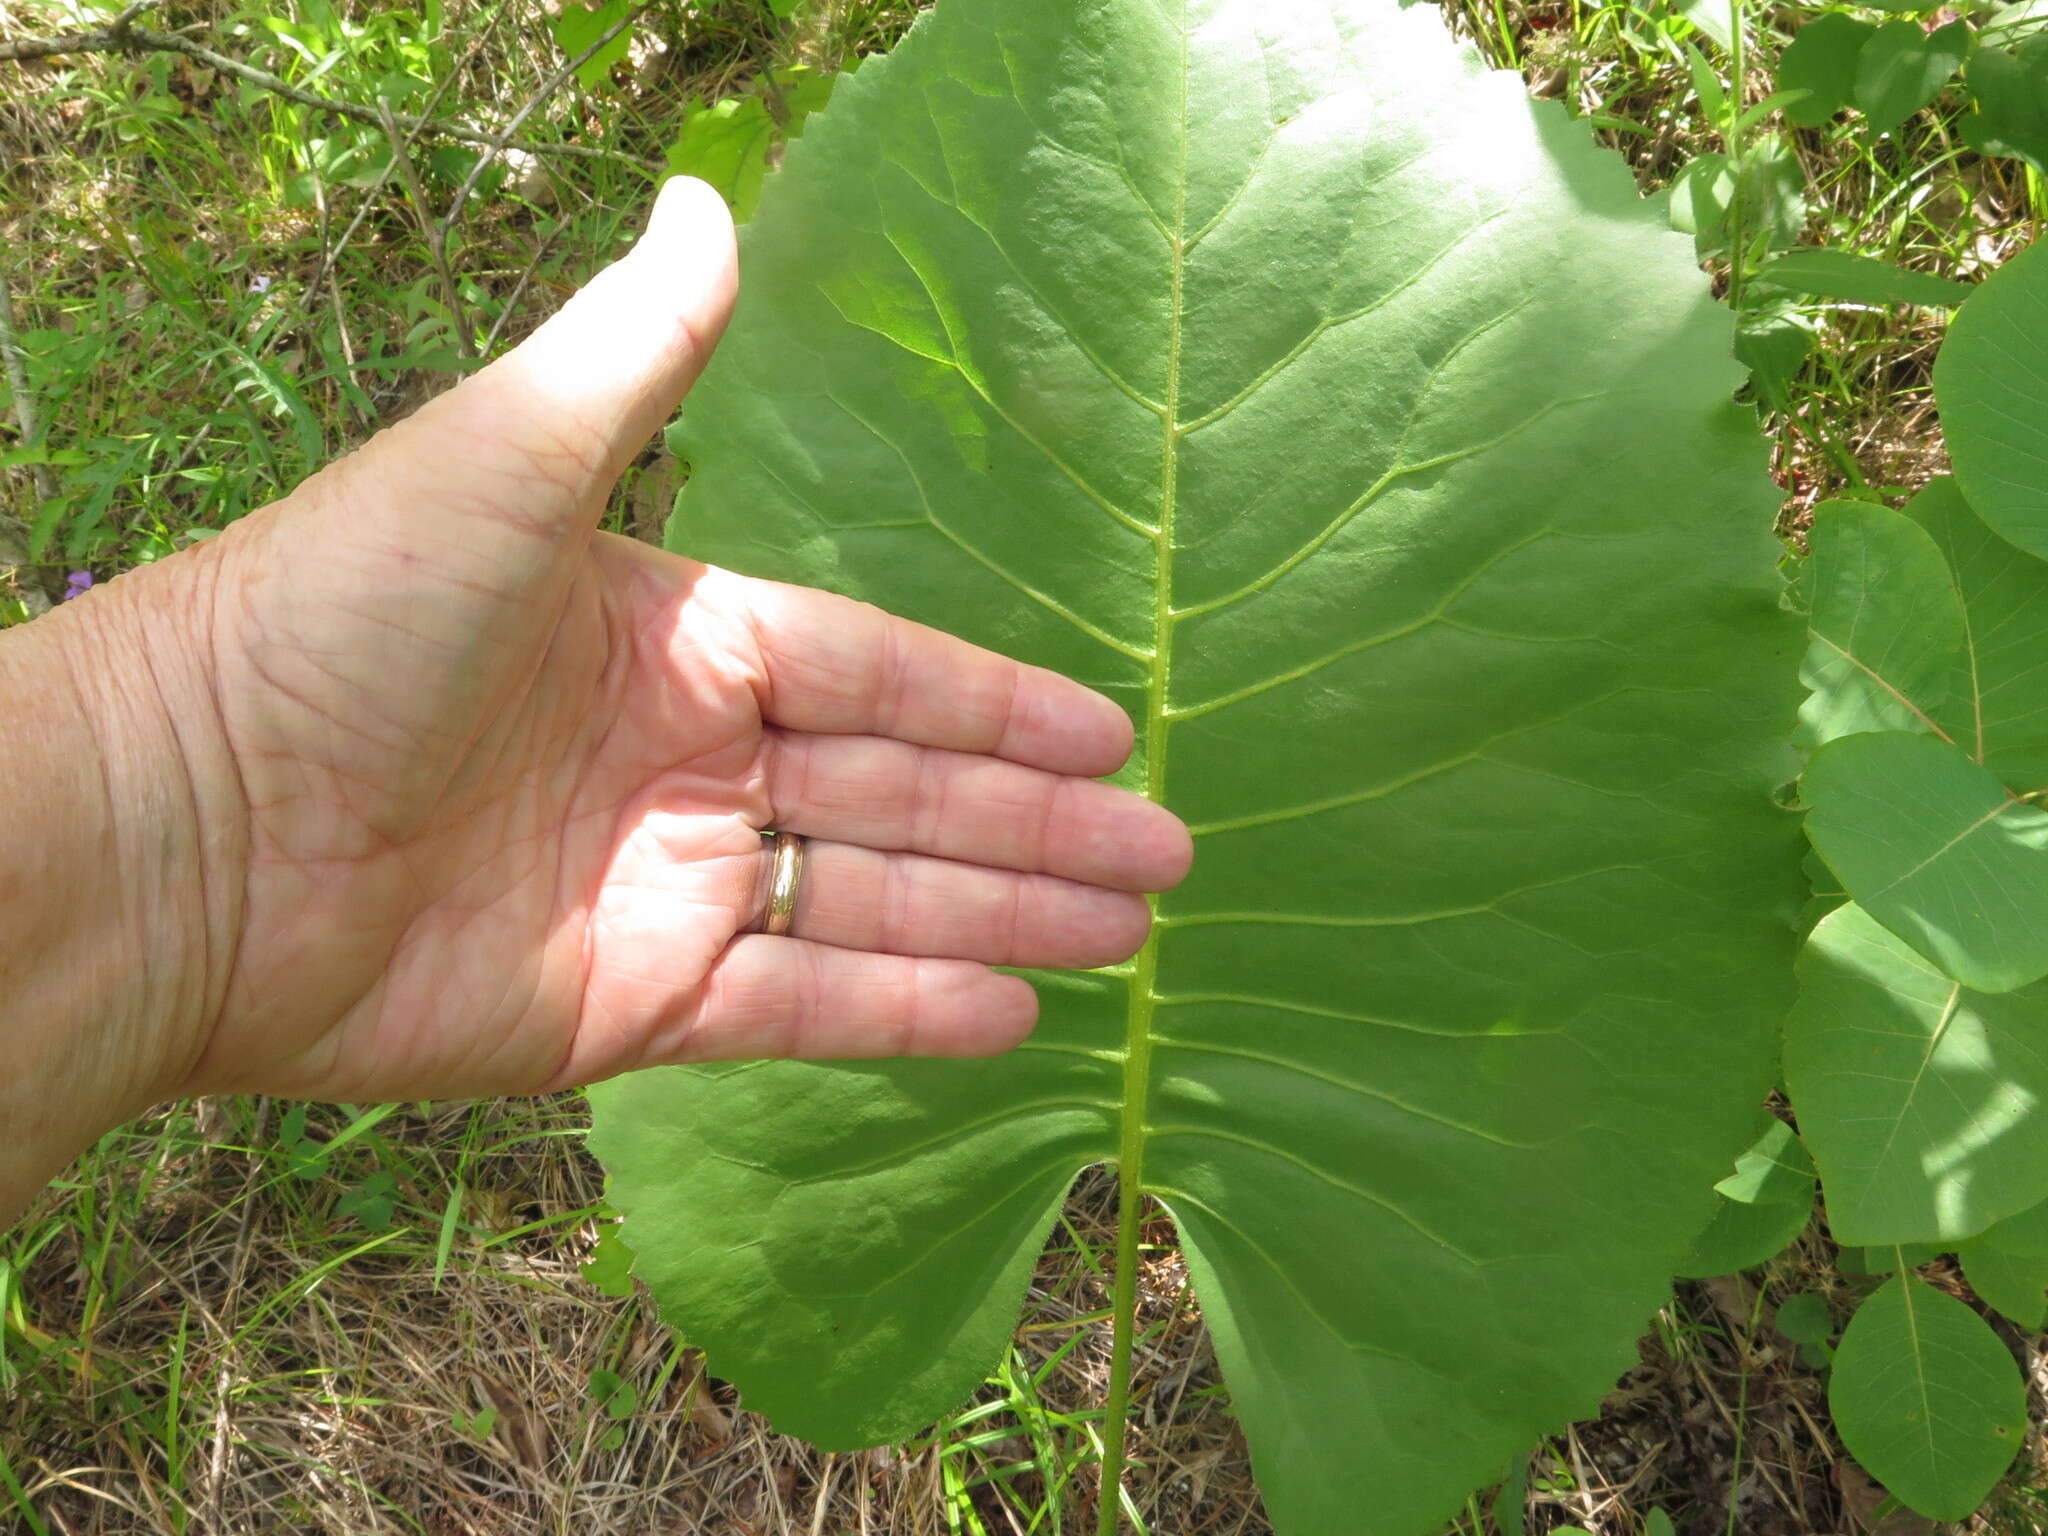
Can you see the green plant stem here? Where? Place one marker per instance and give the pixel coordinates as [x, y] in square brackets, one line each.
[1742, 1417]
[1124, 1288]
[1738, 156]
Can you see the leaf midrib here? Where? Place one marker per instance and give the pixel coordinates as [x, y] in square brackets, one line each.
[1916, 1356]
[1144, 993]
[1144, 989]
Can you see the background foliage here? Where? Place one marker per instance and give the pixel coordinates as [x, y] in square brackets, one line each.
[376, 1317]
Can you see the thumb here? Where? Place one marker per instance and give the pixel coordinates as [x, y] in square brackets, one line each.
[602, 375]
[513, 465]
[421, 564]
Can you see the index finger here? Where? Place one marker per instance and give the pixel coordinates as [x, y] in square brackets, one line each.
[833, 665]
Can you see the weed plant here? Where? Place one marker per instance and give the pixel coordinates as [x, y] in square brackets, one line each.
[239, 1314]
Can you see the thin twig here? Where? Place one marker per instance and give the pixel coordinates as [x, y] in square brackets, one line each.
[547, 89]
[330, 252]
[14, 534]
[436, 234]
[511, 304]
[130, 38]
[17, 384]
[130, 14]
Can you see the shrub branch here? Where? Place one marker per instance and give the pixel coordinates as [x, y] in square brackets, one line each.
[14, 534]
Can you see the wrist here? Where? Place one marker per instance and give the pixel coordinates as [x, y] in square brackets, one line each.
[120, 866]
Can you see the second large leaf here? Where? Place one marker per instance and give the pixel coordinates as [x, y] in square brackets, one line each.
[1276, 369]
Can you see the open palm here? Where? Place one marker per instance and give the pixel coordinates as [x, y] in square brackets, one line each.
[505, 777]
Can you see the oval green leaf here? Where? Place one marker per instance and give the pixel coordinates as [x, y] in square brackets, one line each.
[2010, 90]
[1805, 1319]
[1927, 1399]
[2024, 1232]
[1918, 1098]
[1885, 626]
[1821, 61]
[1934, 847]
[1900, 69]
[1217, 355]
[1995, 705]
[1991, 382]
[2016, 1284]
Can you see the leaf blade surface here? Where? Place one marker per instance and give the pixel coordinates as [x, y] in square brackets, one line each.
[1996, 704]
[1933, 846]
[2014, 1283]
[1837, 274]
[1918, 1097]
[1886, 624]
[1764, 1204]
[1992, 385]
[1927, 1399]
[1900, 69]
[1821, 60]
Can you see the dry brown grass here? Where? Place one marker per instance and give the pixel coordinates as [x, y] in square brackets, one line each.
[323, 1392]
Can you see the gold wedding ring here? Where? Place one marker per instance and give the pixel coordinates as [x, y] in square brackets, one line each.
[785, 875]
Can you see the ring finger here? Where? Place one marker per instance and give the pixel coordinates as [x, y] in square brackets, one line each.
[908, 904]
[892, 795]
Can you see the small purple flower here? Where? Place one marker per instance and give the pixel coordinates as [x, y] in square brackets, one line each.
[76, 586]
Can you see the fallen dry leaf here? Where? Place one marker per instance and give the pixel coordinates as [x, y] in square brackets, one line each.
[1861, 1500]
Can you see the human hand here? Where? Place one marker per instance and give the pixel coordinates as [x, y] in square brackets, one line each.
[479, 791]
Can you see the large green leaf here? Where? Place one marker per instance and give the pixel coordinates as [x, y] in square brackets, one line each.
[730, 142]
[1927, 1398]
[1936, 849]
[2024, 1233]
[2008, 1266]
[1275, 369]
[1918, 1097]
[577, 25]
[1991, 381]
